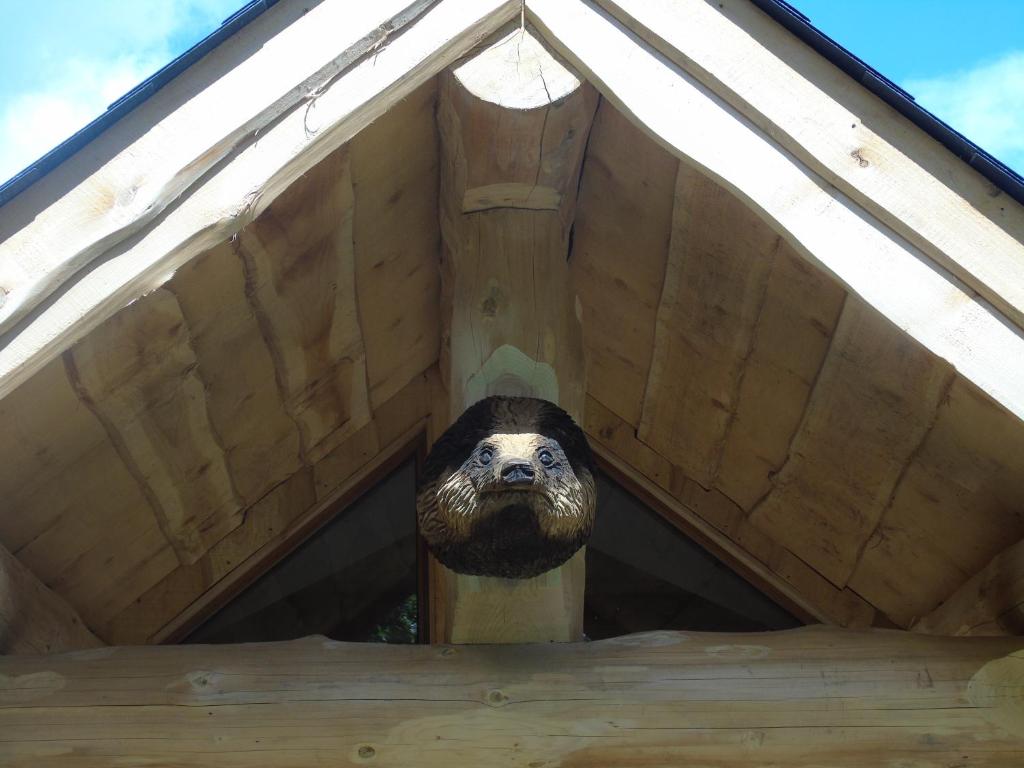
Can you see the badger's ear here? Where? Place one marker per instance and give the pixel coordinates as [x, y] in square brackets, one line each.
[458, 441]
[559, 425]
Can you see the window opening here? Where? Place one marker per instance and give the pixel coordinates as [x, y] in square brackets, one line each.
[354, 579]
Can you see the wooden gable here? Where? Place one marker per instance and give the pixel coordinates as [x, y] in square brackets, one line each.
[801, 316]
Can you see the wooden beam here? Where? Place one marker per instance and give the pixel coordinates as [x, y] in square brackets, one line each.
[138, 184]
[989, 603]
[893, 275]
[873, 404]
[514, 124]
[809, 697]
[719, 525]
[847, 135]
[245, 184]
[33, 619]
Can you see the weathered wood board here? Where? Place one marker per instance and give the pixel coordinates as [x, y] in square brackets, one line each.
[807, 698]
[619, 249]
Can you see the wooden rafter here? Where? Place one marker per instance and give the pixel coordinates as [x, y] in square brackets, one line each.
[846, 135]
[921, 297]
[140, 182]
[337, 108]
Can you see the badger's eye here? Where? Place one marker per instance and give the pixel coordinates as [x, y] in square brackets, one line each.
[546, 458]
[486, 455]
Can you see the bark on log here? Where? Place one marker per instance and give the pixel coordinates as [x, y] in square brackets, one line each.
[514, 124]
[810, 697]
[34, 619]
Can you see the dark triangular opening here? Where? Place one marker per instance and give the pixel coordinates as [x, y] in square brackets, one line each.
[358, 578]
[354, 579]
[644, 574]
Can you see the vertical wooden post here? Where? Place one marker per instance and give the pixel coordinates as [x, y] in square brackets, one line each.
[514, 124]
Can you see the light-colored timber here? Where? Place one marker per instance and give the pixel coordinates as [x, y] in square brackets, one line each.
[138, 184]
[846, 135]
[34, 620]
[894, 276]
[251, 178]
[989, 603]
[265, 336]
[514, 124]
[805, 698]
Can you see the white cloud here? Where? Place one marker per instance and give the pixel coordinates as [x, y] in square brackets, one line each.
[35, 122]
[73, 86]
[985, 104]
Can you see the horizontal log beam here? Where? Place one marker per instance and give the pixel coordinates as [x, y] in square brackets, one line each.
[809, 697]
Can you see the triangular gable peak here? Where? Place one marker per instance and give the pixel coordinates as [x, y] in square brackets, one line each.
[852, 185]
[766, 130]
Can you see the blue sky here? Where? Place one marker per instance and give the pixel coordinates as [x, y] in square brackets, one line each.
[63, 61]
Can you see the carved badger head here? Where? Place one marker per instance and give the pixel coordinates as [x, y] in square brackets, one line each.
[508, 490]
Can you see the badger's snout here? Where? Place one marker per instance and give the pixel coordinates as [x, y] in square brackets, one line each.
[517, 473]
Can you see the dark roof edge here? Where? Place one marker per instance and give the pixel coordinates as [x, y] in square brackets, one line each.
[782, 12]
[1003, 177]
[132, 99]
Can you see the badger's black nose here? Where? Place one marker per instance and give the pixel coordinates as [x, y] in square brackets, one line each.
[517, 473]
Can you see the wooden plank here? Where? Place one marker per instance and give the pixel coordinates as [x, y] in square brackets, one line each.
[276, 523]
[719, 261]
[624, 207]
[807, 697]
[397, 238]
[72, 513]
[260, 441]
[957, 506]
[138, 374]
[989, 603]
[720, 526]
[894, 276]
[168, 158]
[249, 180]
[848, 136]
[873, 405]
[33, 619]
[801, 307]
[300, 277]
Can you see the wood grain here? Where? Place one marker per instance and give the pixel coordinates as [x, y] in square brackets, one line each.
[139, 375]
[276, 523]
[512, 114]
[260, 440]
[720, 258]
[73, 513]
[809, 697]
[396, 234]
[959, 503]
[719, 525]
[874, 403]
[989, 603]
[33, 619]
[300, 276]
[620, 244]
